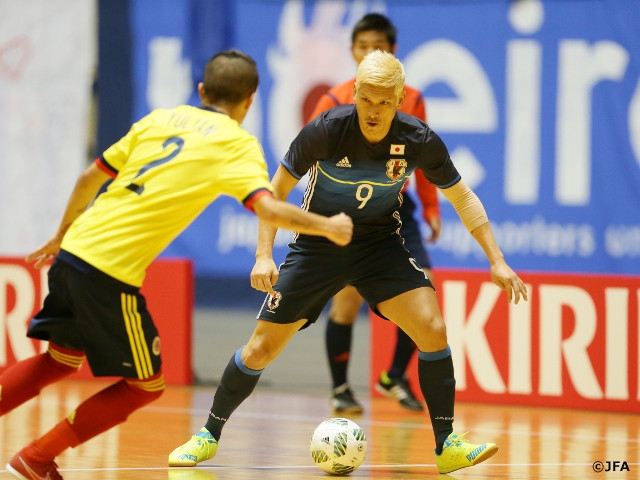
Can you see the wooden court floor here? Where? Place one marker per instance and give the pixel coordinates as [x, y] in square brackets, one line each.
[267, 438]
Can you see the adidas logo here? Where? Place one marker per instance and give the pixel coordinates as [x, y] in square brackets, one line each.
[344, 163]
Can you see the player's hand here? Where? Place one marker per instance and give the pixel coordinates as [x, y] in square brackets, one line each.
[341, 229]
[436, 228]
[509, 281]
[46, 252]
[264, 275]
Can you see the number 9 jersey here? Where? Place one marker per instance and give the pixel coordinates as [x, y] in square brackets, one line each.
[348, 174]
[167, 169]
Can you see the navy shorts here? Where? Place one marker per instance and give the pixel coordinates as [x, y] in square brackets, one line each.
[108, 320]
[316, 269]
[411, 233]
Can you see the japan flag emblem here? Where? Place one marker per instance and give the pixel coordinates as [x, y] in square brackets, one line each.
[396, 149]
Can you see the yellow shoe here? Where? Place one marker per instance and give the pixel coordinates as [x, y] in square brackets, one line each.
[201, 447]
[459, 453]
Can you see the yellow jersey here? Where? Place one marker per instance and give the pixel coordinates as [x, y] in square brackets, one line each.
[167, 169]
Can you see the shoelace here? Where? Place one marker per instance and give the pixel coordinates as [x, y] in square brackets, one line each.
[202, 437]
[458, 440]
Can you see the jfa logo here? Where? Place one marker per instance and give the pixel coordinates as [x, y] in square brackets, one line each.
[610, 466]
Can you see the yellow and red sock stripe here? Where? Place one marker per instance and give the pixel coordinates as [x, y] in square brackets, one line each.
[153, 384]
[66, 356]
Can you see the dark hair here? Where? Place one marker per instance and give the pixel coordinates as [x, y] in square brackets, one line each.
[378, 23]
[231, 76]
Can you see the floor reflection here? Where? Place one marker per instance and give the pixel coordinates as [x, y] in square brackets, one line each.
[268, 437]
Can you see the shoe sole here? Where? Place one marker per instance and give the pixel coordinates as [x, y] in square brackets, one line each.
[182, 464]
[188, 462]
[380, 389]
[487, 454]
[414, 408]
[354, 409]
[177, 462]
[15, 473]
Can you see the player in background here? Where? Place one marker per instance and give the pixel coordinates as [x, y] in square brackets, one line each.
[374, 31]
[166, 170]
[382, 147]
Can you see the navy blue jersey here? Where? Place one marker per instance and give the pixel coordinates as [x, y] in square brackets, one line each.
[348, 174]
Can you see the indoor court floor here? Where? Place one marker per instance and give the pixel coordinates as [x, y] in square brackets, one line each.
[267, 438]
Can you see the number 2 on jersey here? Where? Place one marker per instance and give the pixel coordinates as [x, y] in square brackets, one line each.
[177, 141]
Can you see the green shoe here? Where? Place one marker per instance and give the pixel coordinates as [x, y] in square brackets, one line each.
[201, 447]
[459, 453]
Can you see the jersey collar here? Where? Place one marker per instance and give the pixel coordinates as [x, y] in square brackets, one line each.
[210, 109]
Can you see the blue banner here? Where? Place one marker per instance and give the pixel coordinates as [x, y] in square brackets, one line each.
[538, 102]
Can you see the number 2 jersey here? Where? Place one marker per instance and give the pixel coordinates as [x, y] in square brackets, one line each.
[167, 169]
[348, 174]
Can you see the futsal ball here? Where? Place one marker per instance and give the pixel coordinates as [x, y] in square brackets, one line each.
[338, 446]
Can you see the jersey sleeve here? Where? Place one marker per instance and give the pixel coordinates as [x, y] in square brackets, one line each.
[246, 174]
[103, 165]
[436, 164]
[117, 154]
[251, 200]
[307, 148]
[428, 196]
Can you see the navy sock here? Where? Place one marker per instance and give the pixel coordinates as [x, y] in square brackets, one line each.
[405, 347]
[237, 383]
[438, 385]
[338, 342]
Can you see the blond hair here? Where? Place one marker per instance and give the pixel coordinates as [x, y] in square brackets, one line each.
[381, 69]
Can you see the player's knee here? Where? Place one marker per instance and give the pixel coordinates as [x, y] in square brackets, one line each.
[434, 328]
[345, 306]
[439, 329]
[345, 311]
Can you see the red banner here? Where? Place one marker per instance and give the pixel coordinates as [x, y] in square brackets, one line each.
[574, 344]
[168, 289]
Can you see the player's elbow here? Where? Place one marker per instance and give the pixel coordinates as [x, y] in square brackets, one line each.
[267, 209]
